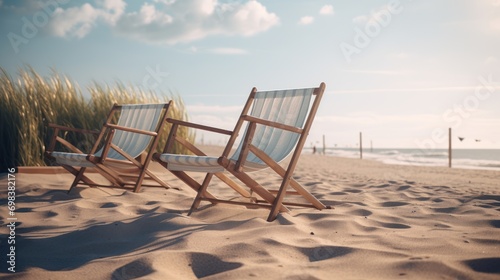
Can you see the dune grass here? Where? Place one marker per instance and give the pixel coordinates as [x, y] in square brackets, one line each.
[29, 102]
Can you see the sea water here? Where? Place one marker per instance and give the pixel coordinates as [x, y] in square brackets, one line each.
[461, 158]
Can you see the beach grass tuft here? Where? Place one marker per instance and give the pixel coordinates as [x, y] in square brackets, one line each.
[30, 101]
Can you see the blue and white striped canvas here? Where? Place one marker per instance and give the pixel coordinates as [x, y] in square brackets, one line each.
[288, 107]
[139, 116]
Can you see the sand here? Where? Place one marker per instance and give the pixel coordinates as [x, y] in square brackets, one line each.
[388, 222]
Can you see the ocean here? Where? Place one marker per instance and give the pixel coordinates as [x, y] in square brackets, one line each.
[461, 158]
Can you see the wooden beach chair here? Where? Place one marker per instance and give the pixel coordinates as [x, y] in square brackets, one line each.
[276, 126]
[116, 153]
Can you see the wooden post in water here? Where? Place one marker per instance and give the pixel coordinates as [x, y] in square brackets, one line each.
[360, 145]
[324, 145]
[449, 147]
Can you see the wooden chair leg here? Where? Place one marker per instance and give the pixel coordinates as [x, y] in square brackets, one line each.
[78, 177]
[138, 183]
[277, 204]
[201, 193]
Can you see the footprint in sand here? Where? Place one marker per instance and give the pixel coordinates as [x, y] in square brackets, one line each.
[312, 184]
[352, 190]
[109, 205]
[488, 201]
[337, 193]
[152, 202]
[321, 253]
[394, 225]
[446, 210]
[50, 214]
[495, 223]
[394, 204]
[133, 270]
[403, 188]
[441, 225]
[86, 204]
[361, 212]
[205, 265]
[381, 186]
[486, 265]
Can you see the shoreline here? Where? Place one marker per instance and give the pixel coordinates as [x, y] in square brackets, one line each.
[463, 158]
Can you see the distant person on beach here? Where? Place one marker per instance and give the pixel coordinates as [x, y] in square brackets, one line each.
[314, 150]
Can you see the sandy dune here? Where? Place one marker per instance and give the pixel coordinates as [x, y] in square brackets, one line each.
[389, 222]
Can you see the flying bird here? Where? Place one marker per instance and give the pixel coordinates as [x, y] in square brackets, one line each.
[461, 139]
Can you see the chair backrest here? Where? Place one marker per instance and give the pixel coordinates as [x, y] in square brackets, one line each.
[138, 116]
[289, 107]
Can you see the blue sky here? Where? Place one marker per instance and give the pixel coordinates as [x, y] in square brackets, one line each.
[400, 71]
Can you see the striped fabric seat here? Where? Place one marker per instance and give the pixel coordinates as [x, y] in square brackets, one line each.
[138, 116]
[72, 159]
[276, 143]
[191, 163]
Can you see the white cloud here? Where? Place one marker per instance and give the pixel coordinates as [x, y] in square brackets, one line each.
[165, 21]
[189, 20]
[78, 21]
[306, 20]
[166, 2]
[148, 15]
[326, 10]
[113, 9]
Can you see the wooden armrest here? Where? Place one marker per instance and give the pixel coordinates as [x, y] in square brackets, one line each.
[273, 124]
[67, 128]
[199, 126]
[134, 130]
[55, 137]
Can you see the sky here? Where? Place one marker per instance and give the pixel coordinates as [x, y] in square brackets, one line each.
[400, 71]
